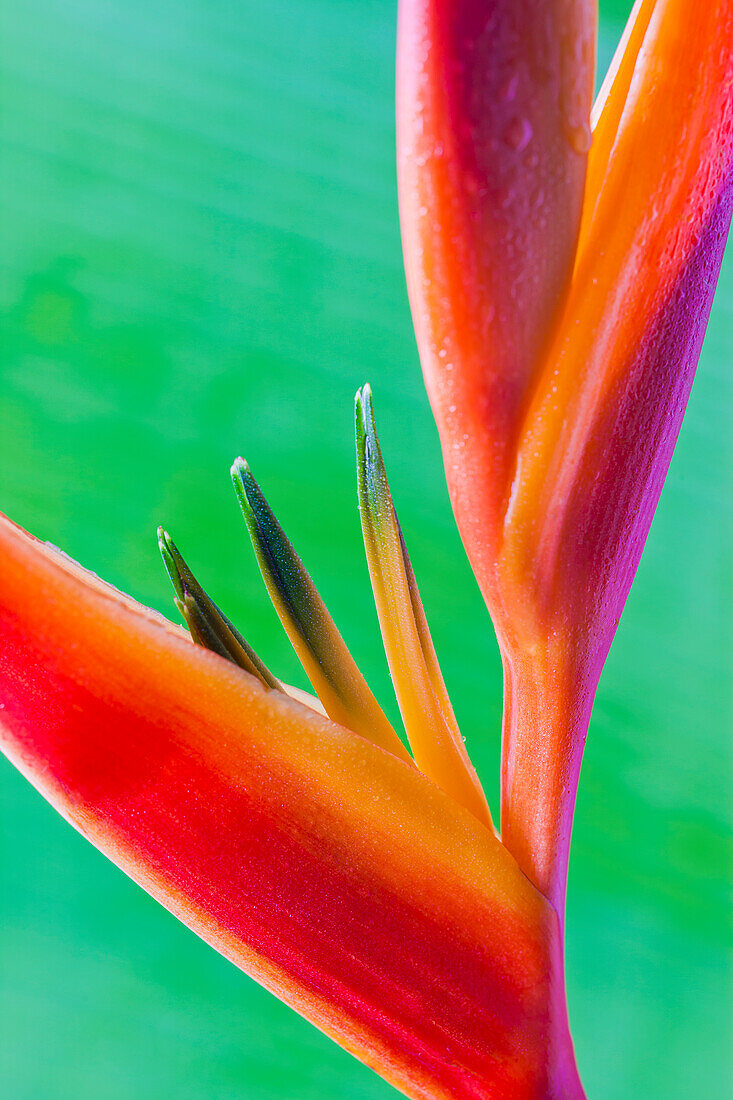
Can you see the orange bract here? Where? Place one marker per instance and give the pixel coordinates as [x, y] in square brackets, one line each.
[334, 873]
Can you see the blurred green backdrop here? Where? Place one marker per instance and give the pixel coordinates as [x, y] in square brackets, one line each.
[199, 256]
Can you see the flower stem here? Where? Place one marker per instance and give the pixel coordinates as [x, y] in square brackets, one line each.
[548, 696]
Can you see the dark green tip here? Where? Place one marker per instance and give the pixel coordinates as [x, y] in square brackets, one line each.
[364, 421]
[375, 500]
[267, 534]
[249, 496]
[209, 627]
[288, 582]
[170, 555]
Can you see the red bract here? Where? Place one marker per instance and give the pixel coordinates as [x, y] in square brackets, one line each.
[560, 292]
[334, 873]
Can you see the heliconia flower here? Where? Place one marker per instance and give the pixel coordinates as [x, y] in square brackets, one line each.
[560, 290]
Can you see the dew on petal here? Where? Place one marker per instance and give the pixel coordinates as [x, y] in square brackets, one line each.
[517, 133]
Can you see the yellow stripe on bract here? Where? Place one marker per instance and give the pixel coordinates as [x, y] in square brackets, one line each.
[426, 710]
[320, 648]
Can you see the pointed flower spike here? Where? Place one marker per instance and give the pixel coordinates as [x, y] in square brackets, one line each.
[610, 104]
[209, 627]
[493, 110]
[320, 648]
[341, 879]
[602, 423]
[431, 727]
[212, 630]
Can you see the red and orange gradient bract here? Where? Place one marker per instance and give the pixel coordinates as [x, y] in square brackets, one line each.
[334, 873]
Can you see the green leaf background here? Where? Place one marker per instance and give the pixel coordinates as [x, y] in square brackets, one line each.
[200, 257]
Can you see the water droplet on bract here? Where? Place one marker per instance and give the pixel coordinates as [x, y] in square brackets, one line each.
[508, 90]
[580, 137]
[517, 133]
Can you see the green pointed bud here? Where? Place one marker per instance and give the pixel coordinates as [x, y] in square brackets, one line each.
[331, 669]
[209, 627]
